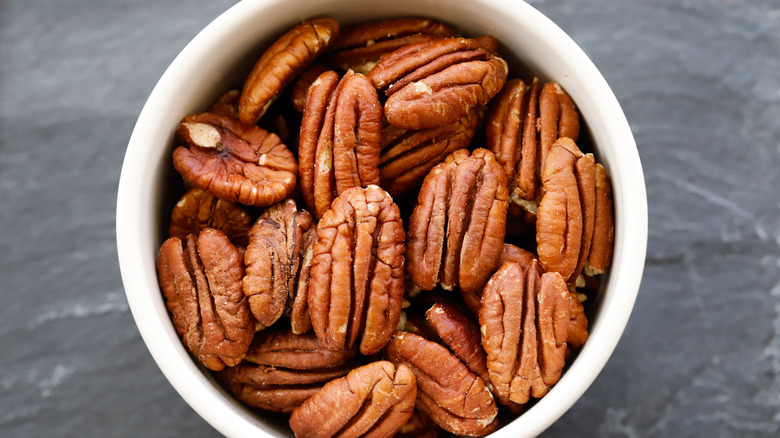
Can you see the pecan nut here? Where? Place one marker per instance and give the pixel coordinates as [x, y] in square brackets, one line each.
[197, 210]
[341, 136]
[302, 84]
[200, 278]
[435, 83]
[374, 400]
[524, 320]
[457, 228]
[283, 60]
[455, 398]
[273, 260]
[603, 226]
[357, 274]
[233, 161]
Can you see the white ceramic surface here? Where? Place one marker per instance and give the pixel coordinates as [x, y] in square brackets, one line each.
[222, 54]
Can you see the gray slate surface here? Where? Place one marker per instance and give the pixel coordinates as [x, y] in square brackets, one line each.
[698, 81]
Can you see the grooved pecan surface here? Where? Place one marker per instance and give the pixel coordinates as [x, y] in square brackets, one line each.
[373, 400]
[300, 321]
[279, 347]
[558, 117]
[283, 60]
[201, 280]
[457, 228]
[233, 161]
[455, 398]
[197, 210]
[600, 253]
[461, 335]
[273, 260]
[341, 136]
[357, 273]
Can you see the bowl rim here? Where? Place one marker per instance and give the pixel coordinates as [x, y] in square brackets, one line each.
[232, 419]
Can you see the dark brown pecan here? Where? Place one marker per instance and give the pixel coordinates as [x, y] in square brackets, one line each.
[300, 321]
[524, 320]
[408, 155]
[454, 397]
[359, 47]
[233, 161]
[457, 229]
[435, 83]
[461, 335]
[303, 83]
[226, 105]
[273, 260]
[200, 278]
[603, 229]
[283, 60]
[341, 136]
[373, 400]
[357, 273]
[197, 210]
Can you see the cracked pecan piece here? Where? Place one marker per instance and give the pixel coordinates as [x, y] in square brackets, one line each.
[457, 228]
[435, 83]
[374, 400]
[408, 155]
[233, 161]
[197, 210]
[341, 137]
[200, 277]
[359, 47]
[452, 396]
[273, 261]
[284, 60]
[357, 273]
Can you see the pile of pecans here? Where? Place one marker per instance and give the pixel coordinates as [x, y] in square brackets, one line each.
[407, 297]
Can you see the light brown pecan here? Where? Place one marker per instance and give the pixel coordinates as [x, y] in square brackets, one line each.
[197, 210]
[524, 320]
[284, 60]
[578, 322]
[566, 217]
[455, 398]
[457, 228]
[302, 84]
[233, 161]
[273, 260]
[200, 277]
[280, 347]
[341, 136]
[226, 105]
[603, 229]
[357, 273]
[435, 83]
[461, 335]
[374, 400]
[558, 117]
[359, 47]
[408, 155]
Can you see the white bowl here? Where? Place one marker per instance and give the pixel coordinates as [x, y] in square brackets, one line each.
[221, 56]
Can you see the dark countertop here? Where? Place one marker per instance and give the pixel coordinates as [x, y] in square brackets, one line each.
[698, 81]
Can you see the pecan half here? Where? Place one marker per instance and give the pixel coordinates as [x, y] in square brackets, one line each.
[300, 321]
[359, 47]
[197, 210]
[524, 320]
[437, 82]
[558, 117]
[233, 161]
[374, 400]
[357, 273]
[457, 228]
[408, 155]
[603, 228]
[273, 260]
[302, 84]
[341, 136]
[283, 60]
[200, 278]
[455, 398]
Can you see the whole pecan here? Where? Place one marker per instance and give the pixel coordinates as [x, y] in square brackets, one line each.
[455, 398]
[357, 273]
[524, 320]
[603, 228]
[273, 260]
[359, 47]
[197, 210]
[457, 228]
[200, 278]
[408, 155]
[233, 161]
[374, 400]
[435, 83]
[341, 136]
[283, 60]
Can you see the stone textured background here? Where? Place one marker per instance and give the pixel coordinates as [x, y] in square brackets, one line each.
[698, 81]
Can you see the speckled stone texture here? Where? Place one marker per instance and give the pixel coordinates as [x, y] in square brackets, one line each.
[698, 81]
